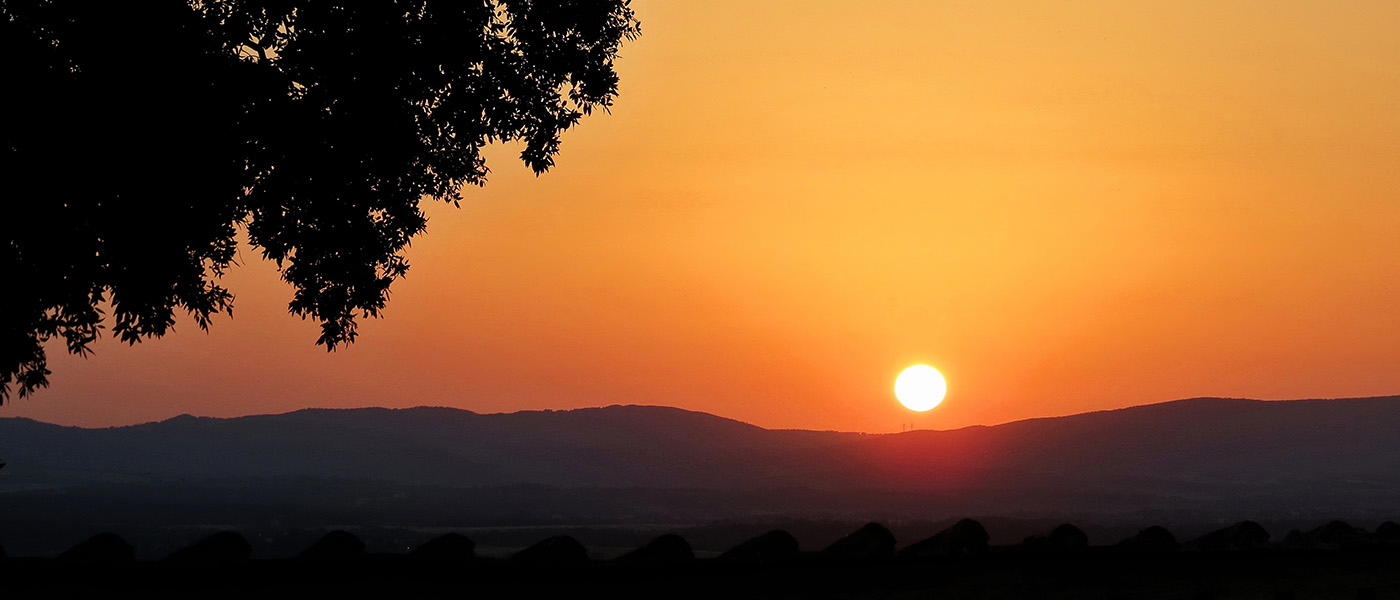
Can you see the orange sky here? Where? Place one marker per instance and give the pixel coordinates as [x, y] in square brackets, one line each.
[1062, 206]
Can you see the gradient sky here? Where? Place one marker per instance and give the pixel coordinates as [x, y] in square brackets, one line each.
[1062, 206]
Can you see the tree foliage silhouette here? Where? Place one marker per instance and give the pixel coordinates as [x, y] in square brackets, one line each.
[143, 135]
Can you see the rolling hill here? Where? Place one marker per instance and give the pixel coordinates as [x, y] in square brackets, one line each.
[1199, 456]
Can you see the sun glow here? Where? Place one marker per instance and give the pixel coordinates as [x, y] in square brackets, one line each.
[920, 388]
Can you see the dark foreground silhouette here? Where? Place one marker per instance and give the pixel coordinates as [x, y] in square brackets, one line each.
[1335, 560]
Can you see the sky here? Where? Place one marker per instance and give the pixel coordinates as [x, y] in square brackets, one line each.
[1063, 207]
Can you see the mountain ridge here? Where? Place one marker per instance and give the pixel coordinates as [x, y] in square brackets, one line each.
[1193, 454]
[611, 407]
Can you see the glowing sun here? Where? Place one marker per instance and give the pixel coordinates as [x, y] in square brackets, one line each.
[920, 388]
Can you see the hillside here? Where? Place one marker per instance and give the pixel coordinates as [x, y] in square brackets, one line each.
[1202, 454]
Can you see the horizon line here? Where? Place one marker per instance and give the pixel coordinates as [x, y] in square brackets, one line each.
[688, 410]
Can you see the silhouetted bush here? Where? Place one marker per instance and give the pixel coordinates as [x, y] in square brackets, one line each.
[1065, 538]
[1152, 539]
[334, 546]
[666, 549]
[872, 540]
[1245, 535]
[1388, 531]
[1336, 534]
[772, 546]
[964, 537]
[557, 551]
[221, 547]
[448, 547]
[103, 548]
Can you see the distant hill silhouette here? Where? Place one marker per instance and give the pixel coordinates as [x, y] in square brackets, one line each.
[1243, 458]
[646, 446]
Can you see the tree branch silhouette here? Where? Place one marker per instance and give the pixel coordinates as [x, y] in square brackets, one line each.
[317, 127]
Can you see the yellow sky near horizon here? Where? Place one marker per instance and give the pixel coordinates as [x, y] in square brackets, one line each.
[1062, 206]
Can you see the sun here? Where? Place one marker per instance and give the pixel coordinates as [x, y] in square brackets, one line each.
[920, 388]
